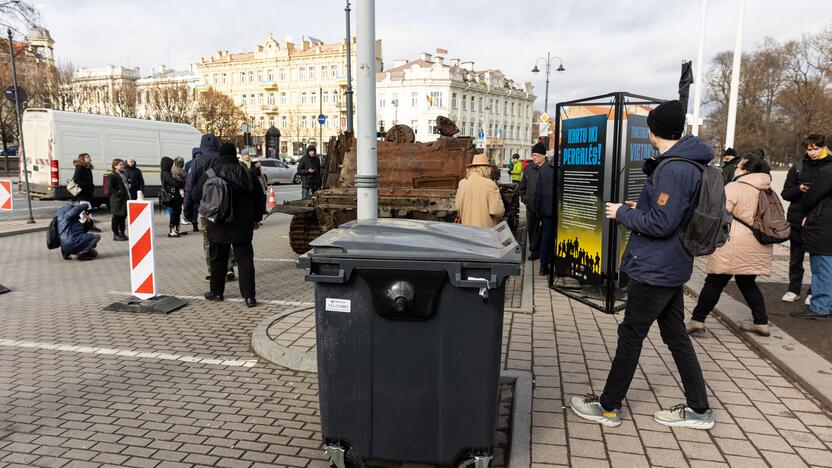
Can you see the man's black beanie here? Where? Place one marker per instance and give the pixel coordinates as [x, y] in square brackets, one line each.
[667, 120]
[228, 149]
[539, 148]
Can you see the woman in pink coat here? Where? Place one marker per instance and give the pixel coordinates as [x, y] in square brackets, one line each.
[742, 256]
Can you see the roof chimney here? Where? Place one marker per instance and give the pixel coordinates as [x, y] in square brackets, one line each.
[455, 62]
[468, 66]
[440, 59]
[399, 63]
[427, 57]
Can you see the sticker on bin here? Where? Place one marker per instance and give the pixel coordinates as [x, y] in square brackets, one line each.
[338, 305]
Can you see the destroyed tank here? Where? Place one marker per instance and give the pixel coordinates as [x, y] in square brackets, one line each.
[415, 181]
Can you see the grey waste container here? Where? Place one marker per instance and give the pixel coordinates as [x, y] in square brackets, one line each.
[409, 319]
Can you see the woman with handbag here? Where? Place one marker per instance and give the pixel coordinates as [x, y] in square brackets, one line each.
[81, 186]
[170, 195]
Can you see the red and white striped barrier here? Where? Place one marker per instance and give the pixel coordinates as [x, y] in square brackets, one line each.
[142, 261]
[6, 197]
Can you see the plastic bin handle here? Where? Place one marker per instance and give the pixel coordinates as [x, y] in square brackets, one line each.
[474, 283]
[318, 278]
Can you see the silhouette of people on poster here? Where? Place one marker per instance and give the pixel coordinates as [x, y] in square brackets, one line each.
[575, 261]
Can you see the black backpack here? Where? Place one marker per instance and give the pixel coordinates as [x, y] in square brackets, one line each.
[215, 205]
[710, 222]
[53, 237]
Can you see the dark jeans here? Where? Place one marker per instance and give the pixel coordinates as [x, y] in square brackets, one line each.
[533, 230]
[647, 304]
[175, 213]
[547, 241]
[747, 284]
[244, 255]
[117, 224]
[796, 254]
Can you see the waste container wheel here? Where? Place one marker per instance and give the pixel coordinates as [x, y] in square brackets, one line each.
[351, 460]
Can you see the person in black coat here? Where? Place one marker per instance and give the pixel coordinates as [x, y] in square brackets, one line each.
[248, 202]
[119, 195]
[83, 177]
[546, 210]
[527, 189]
[135, 179]
[309, 168]
[798, 181]
[171, 186]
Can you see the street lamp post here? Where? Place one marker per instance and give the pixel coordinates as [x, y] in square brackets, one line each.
[20, 146]
[349, 71]
[548, 61]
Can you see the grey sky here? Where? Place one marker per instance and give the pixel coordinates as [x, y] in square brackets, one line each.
[606, 45]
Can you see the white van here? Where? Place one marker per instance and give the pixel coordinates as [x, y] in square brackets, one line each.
[53, 139]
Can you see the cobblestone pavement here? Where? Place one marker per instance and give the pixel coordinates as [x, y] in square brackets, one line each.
[82, 387]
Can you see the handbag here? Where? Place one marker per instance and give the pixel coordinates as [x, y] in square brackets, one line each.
[165, 197]
[72, 187]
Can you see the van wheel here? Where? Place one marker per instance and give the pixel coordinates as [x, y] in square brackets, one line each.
[351, 460]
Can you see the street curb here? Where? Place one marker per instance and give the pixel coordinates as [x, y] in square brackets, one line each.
[793, 358]
[24, 231]
[266, 348]
[527, 300]
[520, 448]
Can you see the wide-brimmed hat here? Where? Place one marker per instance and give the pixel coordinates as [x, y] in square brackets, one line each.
[480, 160]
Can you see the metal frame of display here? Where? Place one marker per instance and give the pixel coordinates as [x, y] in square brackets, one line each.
[610, 294]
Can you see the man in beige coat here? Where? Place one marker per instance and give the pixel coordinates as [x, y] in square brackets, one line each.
[478, 197]
[742, 256]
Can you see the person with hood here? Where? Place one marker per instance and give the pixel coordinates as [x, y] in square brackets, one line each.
[171, 186]
[209, 148]
[528, 191]
[817, 232]
[798, 181]
[188, 206]
[309, 168]
[729, 164]
[135, 179]
[516, 168]
[478, 199]
[75, 240]
[119, 194]
[248, 203]
[658, 267]
[742, 257]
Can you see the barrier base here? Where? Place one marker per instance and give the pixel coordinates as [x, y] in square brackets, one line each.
[157, 305]
[4, 290]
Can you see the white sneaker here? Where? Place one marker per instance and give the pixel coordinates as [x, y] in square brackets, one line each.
[790, 297]
[808, 299]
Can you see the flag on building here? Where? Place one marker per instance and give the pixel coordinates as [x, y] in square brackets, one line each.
[430, 99]
[440, 51]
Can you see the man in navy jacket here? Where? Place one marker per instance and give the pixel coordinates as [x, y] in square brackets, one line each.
[658, 266]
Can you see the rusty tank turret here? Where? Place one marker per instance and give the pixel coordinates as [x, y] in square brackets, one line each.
[416, 181]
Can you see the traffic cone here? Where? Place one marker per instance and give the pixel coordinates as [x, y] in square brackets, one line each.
[271, 203]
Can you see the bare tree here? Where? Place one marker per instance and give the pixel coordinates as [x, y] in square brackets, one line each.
[169, 102]
[218, 114]
[18, 14]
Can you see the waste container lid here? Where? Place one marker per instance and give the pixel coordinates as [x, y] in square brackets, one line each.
[418, 240]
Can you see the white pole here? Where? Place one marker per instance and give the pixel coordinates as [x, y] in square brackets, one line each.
[735, 81]
[697, 81]
[366, 179]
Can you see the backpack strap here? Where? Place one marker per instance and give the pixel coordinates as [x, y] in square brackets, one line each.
[210, 172]
[655, 175]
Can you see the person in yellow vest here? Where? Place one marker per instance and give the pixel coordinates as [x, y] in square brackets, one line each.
[478, 198]
[516, 169]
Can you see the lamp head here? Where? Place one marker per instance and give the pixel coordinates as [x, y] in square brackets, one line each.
[535, 69]
[561, 69]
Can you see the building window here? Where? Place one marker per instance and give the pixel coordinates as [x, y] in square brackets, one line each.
[313, 98]
[283, 98]
[414, 124]
[480, 104]
[505, 107]
[471, 129]
[436, 99]
[491, 105]
[282, 74]
[242, 77]
[325, 98]
[271, 99]
[312, 73]
[302, 120]
[251, 77]
[464, 102]
[453, 100]
[225, 78]
[334, 70]
[335, 97]
[472, 103]
[324, 72]
[259, 76]
[302, 74]
[414, 99]
[512, 108]
[283, 121]
[381, 101]
[271, 122]
[270, 75]
[462, 127]
[243, 100]
[303, 98]
[431, 126]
